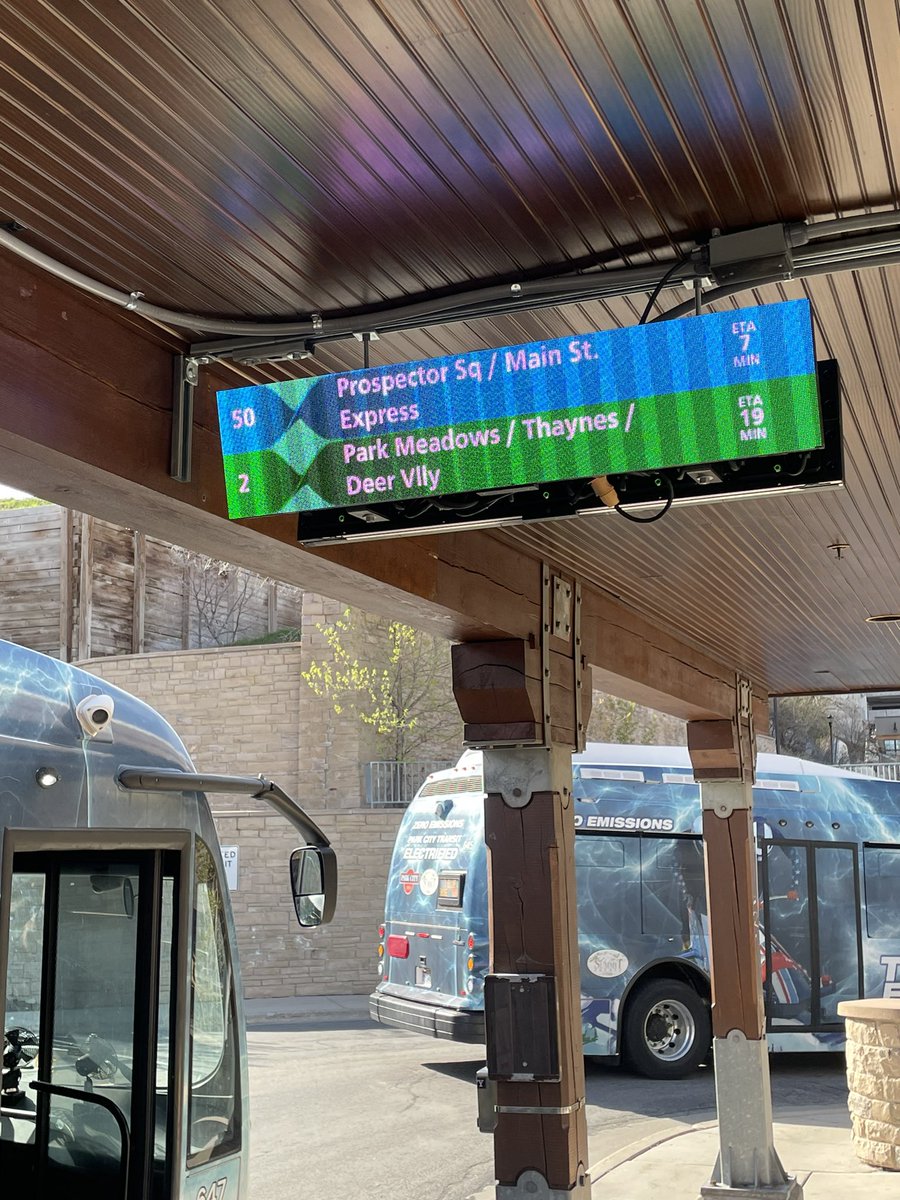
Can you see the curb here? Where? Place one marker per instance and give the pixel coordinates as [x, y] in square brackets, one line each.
[640, 1146]
[307, 1008]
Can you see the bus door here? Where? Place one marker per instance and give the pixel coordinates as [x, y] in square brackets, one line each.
[91, 953]
[810, 933]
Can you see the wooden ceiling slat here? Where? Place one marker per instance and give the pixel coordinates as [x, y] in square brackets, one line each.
[99, 106]
[750, 45]
[444, 142]
[660, 180]
[339, 127]
[271, 157]
[731, 182]
[882, 32]
[68, 202]
[852, 79]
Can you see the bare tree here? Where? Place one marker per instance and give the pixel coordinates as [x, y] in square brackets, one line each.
[801, 726]
[218, 593]
[623, 722]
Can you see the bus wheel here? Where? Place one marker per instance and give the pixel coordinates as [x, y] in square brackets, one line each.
[667, 1031]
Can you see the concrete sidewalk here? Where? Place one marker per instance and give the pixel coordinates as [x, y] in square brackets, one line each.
[813, 1144]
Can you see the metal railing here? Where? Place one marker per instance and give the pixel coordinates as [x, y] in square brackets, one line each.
[877, 770]
[393, 784]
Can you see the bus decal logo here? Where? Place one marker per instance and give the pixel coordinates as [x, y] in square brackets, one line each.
[891, 964]
[428, 884]
[408, 880]
[607, 964]
[643, 824]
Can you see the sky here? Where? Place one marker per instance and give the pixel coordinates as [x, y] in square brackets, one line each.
[8, 493]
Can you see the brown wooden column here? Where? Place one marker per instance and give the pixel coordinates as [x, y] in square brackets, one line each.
[139, 592]
[66, 556]
[524, 702]
[85, 586]
[723, 757]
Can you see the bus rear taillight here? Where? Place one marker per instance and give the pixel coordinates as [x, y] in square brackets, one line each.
[398, 947]
[381, 931]
[471, 941]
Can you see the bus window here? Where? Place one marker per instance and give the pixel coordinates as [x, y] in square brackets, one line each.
[599, 852]
[837, 909]
[214, 1117]
[788, 964]
[165, 1043]
[606, 870]
[673, 886]
[882, 874]
[26, 943]
[81, 923]
[23, 1003]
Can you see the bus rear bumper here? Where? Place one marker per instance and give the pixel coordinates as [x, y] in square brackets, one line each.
[457, 1025]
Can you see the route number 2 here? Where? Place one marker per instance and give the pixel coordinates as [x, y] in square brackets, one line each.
[243, 418]
[245, 484]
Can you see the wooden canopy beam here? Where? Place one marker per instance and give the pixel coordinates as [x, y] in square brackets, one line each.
[85, 419]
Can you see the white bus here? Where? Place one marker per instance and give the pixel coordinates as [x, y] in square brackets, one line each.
[828, 858]
[124, 1059]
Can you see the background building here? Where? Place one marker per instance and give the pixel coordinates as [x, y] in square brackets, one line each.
[156, 620]
[884, 722]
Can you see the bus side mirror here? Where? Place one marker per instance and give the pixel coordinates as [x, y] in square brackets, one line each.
[314, 884]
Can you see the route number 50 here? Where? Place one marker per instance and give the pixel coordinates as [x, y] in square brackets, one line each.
[243, 418]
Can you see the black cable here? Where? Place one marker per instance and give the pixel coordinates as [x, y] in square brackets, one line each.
[656, 516]
[803, 464]
[419, 511]
[659, 287]
[461, 506]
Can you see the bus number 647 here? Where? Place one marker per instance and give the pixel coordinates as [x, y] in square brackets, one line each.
[213, 1191]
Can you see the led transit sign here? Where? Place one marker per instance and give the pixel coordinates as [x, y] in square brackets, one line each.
[707, 389]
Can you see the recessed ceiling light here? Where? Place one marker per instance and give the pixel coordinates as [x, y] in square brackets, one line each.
[883, 617]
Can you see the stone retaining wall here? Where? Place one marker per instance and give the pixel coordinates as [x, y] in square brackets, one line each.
[245, 710]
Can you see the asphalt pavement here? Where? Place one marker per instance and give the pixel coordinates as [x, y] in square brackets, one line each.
[675, 1159]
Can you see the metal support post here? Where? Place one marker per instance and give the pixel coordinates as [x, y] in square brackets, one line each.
[747, 1167]
[185, 380]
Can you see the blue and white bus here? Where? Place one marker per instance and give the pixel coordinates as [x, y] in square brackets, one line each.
[828, 853]
[124, 1057]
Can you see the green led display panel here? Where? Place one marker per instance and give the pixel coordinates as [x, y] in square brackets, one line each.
[707, 389]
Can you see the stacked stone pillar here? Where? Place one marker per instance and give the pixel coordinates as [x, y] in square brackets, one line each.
[873, 1073]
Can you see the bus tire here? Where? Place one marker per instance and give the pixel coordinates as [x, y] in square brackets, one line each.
[667, 1031]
